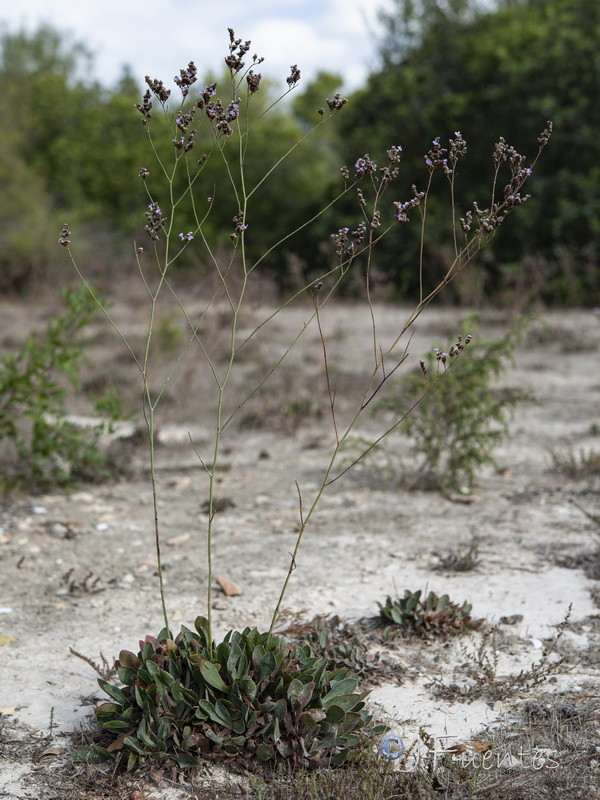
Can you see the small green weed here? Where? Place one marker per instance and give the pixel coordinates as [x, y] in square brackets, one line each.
[339, 644]
[169, 335]
[459, 562]
[431, 616]
[45, 448]
[480, 667]
[577, 466]
[593, 517]
[456, 428]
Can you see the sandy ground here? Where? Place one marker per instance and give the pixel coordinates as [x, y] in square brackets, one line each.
[77, 568]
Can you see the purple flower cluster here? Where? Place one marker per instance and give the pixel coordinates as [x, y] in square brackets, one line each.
[402, 209]
[214, 110]
[365, 166]
[186, 141]
[186, 78]
[155, 221]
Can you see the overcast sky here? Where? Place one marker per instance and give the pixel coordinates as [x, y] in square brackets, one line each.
[158, 37]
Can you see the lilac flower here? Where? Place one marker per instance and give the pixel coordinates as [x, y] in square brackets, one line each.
[186, 237]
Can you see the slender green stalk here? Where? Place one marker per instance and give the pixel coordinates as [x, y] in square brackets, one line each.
[149, 418]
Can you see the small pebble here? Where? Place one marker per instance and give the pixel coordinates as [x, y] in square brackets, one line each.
[58, 529]
[82, 497]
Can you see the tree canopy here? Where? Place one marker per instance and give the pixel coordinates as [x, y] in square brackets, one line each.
[73, 149]
[450, 65]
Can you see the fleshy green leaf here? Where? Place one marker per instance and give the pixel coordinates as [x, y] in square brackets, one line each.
[126, 675]
[115, 725]
[211, 675]
[335, 714]
[134, 745]
[267, 665]
[129, 660]
[248, 687]
[185, 760]
[113, 691]
[90, 754]
[264, 752]
[345, 686]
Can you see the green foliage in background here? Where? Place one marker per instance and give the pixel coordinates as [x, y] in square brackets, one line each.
[456, 428]
[487, 69]
[72, 149]
[253, 696]
[41, 447]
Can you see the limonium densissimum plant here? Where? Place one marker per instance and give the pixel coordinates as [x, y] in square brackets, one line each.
[253, 696]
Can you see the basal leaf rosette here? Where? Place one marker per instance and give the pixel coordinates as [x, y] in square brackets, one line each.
[252, 697]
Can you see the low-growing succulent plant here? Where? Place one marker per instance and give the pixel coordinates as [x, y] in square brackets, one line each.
[253, 696]
[433, 615]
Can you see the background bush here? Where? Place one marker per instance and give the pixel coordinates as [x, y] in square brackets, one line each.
[41, 447]
[456, 428]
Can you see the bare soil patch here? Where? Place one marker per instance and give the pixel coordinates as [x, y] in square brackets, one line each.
[77, 568]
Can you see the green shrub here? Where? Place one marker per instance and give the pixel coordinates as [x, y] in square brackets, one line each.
[44, 448]
[456, 428]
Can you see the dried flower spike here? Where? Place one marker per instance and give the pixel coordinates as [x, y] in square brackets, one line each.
[64, 236]
[293, 77]
[253, 80]
[337, 102]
